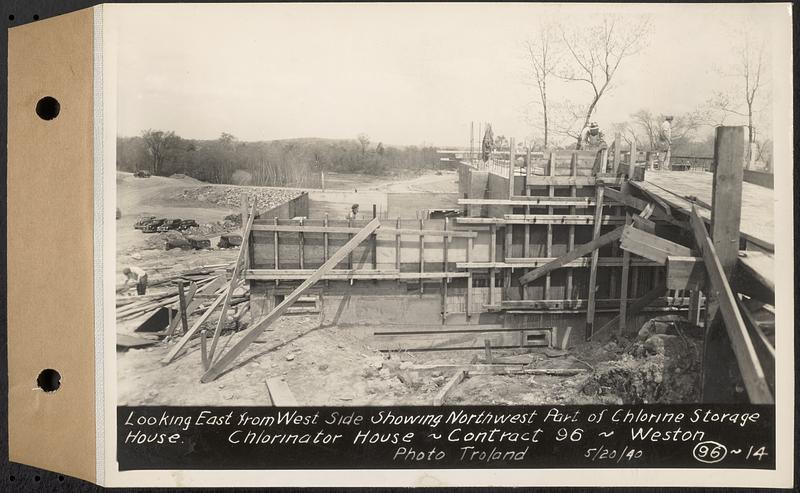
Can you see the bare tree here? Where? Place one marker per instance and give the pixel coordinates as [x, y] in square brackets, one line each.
[566, 119]
[597, 52]
[159, 144]
[749, 70]
[682, 128]
[544, 59]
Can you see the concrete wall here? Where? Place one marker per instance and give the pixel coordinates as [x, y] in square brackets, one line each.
[362, 303]
[297, 207]
[759, 178]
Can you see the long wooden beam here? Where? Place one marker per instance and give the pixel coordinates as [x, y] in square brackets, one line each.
[352, 230]
[533, 262]
[651, 246]
[570, 256]
[752, 373]
[640, 205]
[532, 201]
[576, 219]
[226, 359]
[598, 213]
[300, 274]
[581, 181]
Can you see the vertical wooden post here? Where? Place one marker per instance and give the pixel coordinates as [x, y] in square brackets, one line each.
[526, 229]
[551, 191]
[275, 240]
[301, 247]
[573, 191]
[492, 257]
[720, 369]
[397, 252]
[617, 153]
[182, 307]
[374, 240]
[511, 156]
[471, 142]
[632, 160]
[445, 280]
[349, 237]
[325, 240]
[694, 307]
[623, 290]
[598, 220]
[421, 257]
[528, 167]
[649, 159]
[468, 308]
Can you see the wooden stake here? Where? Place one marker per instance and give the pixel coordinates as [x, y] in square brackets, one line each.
[623, 290]
[182, 307]
[448, 387]
[598, 213]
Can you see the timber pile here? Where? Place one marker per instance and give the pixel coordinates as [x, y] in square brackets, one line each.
[195, 292]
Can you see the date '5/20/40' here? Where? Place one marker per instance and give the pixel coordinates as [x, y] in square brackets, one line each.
[602, 453]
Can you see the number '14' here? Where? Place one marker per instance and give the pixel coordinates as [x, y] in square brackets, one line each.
[759, 454]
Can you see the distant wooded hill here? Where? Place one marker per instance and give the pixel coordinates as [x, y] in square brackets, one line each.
[292, 162]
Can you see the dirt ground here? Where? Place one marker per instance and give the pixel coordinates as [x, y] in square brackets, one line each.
[337, 366]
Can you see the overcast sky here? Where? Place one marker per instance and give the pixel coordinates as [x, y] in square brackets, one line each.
[402, 74]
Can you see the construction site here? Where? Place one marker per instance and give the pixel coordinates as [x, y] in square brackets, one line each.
[558, 277]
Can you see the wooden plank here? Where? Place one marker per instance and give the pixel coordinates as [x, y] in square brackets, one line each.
[397, 246]
[237, 266]
[448, 387]
[195, 327]
[468, 307]
[685, 272]
[578, 219]
[182, 305]
[693, 317]
[280, 393]
[617, 152]
[650, 246]
[760, 265]
[749, 365]
[581, 181]
[511, 159]
[260, 326]
[623, 290]
[532, 200]
[275, 244]
[634, 308]
[572, 255]
[573, 192]
[511, 338]
[582, 303]
[301, 249]
[421, 257]
[346, 275]
[595, 254]
[629, 200]
[352, 230]
[644, 224]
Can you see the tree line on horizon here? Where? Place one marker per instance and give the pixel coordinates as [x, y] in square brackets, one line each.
[293, 162]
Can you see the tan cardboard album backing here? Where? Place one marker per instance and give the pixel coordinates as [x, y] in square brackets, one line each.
[62, 242]
[50, 245]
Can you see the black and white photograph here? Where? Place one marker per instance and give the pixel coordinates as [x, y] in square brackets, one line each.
[464, 205]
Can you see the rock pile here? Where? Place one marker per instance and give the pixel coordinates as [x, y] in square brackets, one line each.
[230, 196]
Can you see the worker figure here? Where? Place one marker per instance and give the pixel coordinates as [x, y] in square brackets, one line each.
[487, 146]
[591, 137]
[138, 276]
[353, 214]
[665, 142]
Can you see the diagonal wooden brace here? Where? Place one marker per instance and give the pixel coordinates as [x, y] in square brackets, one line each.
[749, 365]
[572, 255]
[226, 359]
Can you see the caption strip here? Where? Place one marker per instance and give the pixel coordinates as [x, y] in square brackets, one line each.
[685, 436]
